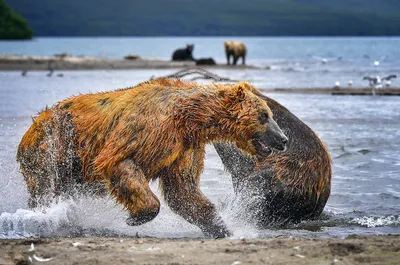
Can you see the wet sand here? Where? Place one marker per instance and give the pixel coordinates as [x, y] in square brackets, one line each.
[379, 249]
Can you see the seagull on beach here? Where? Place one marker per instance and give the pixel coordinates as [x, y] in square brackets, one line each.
[376, 81]
[350, 83]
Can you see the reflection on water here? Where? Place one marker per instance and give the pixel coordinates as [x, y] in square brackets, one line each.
[362, 134]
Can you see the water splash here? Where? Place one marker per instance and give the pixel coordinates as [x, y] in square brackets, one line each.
[368, 221]
[90, 217]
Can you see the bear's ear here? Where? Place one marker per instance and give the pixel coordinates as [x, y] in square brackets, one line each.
[240, 92]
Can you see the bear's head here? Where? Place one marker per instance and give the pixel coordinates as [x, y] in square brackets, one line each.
[257, 132]
[228, 46]
[189, 48]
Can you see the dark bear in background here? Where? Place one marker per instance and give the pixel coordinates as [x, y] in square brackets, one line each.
[287, 187]
[206, 61]
[184, 54]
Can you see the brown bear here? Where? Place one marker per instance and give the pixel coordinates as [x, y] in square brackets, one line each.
[287, 187]
[236, 49]
[118, 141]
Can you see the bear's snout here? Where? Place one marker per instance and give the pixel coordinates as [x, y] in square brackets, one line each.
[282, 146]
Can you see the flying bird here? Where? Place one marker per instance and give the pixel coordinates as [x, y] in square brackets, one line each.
[376, 62]
[376, 81]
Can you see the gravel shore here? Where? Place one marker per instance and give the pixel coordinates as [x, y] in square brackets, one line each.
[378, 249]
[10, 62]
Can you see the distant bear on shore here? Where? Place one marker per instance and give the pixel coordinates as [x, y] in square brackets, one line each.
[117, 142]
[236, 49]
[205, 61]
[287, 187]
[184, 54]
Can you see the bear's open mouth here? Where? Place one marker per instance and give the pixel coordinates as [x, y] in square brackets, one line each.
[262, 147]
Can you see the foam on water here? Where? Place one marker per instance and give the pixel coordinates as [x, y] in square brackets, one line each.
[367, 221]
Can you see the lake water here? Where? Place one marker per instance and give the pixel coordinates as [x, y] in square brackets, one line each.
[294, 62]
[362, 132]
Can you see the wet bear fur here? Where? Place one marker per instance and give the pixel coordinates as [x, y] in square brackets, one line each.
[286, 187]
[117, 142]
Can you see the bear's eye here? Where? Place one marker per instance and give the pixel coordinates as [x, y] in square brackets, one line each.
[263, 117]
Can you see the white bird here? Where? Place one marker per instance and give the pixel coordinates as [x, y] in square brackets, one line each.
[373, 81]
[376, 81]
[376, 62]
[350, 83]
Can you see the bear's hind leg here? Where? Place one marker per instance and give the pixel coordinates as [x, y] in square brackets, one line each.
[188, 201]
[130, 187]
[235, 59]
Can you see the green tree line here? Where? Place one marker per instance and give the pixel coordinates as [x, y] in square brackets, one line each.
[12, 25]
[211, 17]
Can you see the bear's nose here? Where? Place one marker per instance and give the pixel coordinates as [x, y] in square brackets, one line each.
[284, 140]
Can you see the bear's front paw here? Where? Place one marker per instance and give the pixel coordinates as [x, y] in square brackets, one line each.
[141, 217]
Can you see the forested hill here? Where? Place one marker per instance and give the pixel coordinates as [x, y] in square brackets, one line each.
[210, 17]
[12, 25]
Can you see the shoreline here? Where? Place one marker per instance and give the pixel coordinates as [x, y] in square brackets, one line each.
[376, 249]
[11, 62]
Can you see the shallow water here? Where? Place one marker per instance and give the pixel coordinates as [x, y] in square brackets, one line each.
[362, 134]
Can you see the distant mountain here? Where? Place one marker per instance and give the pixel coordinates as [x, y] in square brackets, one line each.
[12, 25]
[210, 17]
